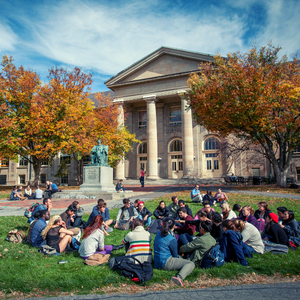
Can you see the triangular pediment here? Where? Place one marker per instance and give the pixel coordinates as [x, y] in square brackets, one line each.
[164, 62]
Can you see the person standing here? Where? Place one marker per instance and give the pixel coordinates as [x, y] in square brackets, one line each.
[142, 178]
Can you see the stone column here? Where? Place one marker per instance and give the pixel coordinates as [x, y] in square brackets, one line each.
[187, 140]
[120, 168]
[152, 172]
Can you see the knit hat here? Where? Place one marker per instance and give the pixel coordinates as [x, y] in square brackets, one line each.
[141, 202]
[274, 217]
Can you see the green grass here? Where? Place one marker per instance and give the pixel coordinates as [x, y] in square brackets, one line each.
[22, 268]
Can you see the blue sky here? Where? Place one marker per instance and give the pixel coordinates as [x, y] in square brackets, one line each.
[105, 37]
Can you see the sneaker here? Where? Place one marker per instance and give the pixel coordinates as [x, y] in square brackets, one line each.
[177, 281]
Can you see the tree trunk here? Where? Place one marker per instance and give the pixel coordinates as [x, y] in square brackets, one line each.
[280, 176]
[37, 164]
[79, 172]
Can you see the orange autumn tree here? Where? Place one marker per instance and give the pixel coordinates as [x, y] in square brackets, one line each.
[254, 96]
[39, 120]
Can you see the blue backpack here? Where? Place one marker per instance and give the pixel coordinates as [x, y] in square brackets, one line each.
[212, 258]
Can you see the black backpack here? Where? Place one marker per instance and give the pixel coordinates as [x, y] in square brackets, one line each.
[132, 268]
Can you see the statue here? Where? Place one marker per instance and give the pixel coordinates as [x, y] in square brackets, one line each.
[99, 155]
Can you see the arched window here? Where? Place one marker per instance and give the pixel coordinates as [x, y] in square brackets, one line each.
[143, 148]
[176, 146]
[211, 144]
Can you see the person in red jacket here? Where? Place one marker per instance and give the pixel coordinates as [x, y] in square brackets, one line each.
[184, 227]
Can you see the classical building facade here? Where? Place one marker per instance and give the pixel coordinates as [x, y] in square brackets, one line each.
[149, 92]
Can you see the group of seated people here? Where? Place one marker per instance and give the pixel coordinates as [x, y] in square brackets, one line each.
[38, 194]
[197, 197]
[181, 242]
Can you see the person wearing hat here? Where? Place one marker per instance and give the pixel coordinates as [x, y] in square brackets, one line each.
[144, 213]
[274, 232]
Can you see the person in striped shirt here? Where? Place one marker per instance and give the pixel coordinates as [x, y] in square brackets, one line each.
[137, 242]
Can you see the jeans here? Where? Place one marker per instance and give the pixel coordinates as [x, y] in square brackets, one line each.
[142, 181]
[77, 222]
[184, 239]
[250, 249]
[148, 222]
[186, 267]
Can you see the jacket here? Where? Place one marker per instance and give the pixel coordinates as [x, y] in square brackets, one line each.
[66, 218]
[198, 247]
[161, 213]
[187, 228]
[231, 244]
[257, 214]
[96, 212]
[173, 209]
[251, 219]
[164, 248]
[145, 211]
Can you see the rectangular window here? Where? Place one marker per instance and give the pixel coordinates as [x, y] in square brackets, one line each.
[43, 178]
[142, 119]
[2, 179]
[175, 116]
[64, 179]
[297, 150]
[44, 162]
[211, 154]
[86, 159]
[21, 179]
[4, 163]
[23, 161]
[216, 164]
[208, 164]
[298, 174]
[174, 166]
[180, 166]
[255, 172]
[65, 158]
[143, 158]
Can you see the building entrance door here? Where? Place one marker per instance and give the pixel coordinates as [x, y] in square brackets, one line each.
[213, 168]
[176, 166]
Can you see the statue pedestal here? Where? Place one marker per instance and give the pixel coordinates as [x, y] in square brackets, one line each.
[97, 179]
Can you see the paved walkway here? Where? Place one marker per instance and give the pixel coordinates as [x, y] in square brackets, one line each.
[153, 190]
[288, 291]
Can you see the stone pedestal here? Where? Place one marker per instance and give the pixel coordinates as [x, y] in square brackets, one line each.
[97, 179]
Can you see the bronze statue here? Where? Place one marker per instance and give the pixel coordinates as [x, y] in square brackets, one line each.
[99, 155]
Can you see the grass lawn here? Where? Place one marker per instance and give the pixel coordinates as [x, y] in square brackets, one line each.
[24, 271]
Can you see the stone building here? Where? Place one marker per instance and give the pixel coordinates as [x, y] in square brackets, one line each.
[173, 145]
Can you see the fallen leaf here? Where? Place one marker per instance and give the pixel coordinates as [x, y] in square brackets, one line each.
[5, 250]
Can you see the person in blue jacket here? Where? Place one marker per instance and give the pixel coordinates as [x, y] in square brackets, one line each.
[232, 245]
[166, 253]
[102, 210]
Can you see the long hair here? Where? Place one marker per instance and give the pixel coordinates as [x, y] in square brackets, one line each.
[239, 224]
[250, 209]
[95, 224]
[228, 225]
[264, 205]
[53, 221]
[226, 206]
[158, 207]
[167, 225]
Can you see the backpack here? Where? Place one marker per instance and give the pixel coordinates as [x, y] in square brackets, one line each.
[132, 268]
[212, 258]
[261, 224]
[16, 236]
[29, 211]
[155, 226]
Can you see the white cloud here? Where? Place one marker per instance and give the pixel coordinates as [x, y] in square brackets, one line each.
[8, 39]
[109, 39]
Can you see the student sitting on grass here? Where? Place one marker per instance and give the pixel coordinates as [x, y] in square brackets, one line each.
[217, 229]
[137, 242]
[126, 214]
[173, 207]
[15, 195]
[195, 249]
[227, 213]
[144, 213]
[28, 192]
[161, 211]
[57, 235]
[248, 216]
[166, 253]
[274, 232]
[232, 245]
[36, 237]
[290, 225]
[68, 218]
[93, 240]
[280, 212]
[181, 203]
[237, 208]
[263, 211]
[78, 214]
[251, 236]
[185, 227]
[209, 197]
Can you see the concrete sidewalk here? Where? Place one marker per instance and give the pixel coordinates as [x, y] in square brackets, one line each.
[289, 291]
